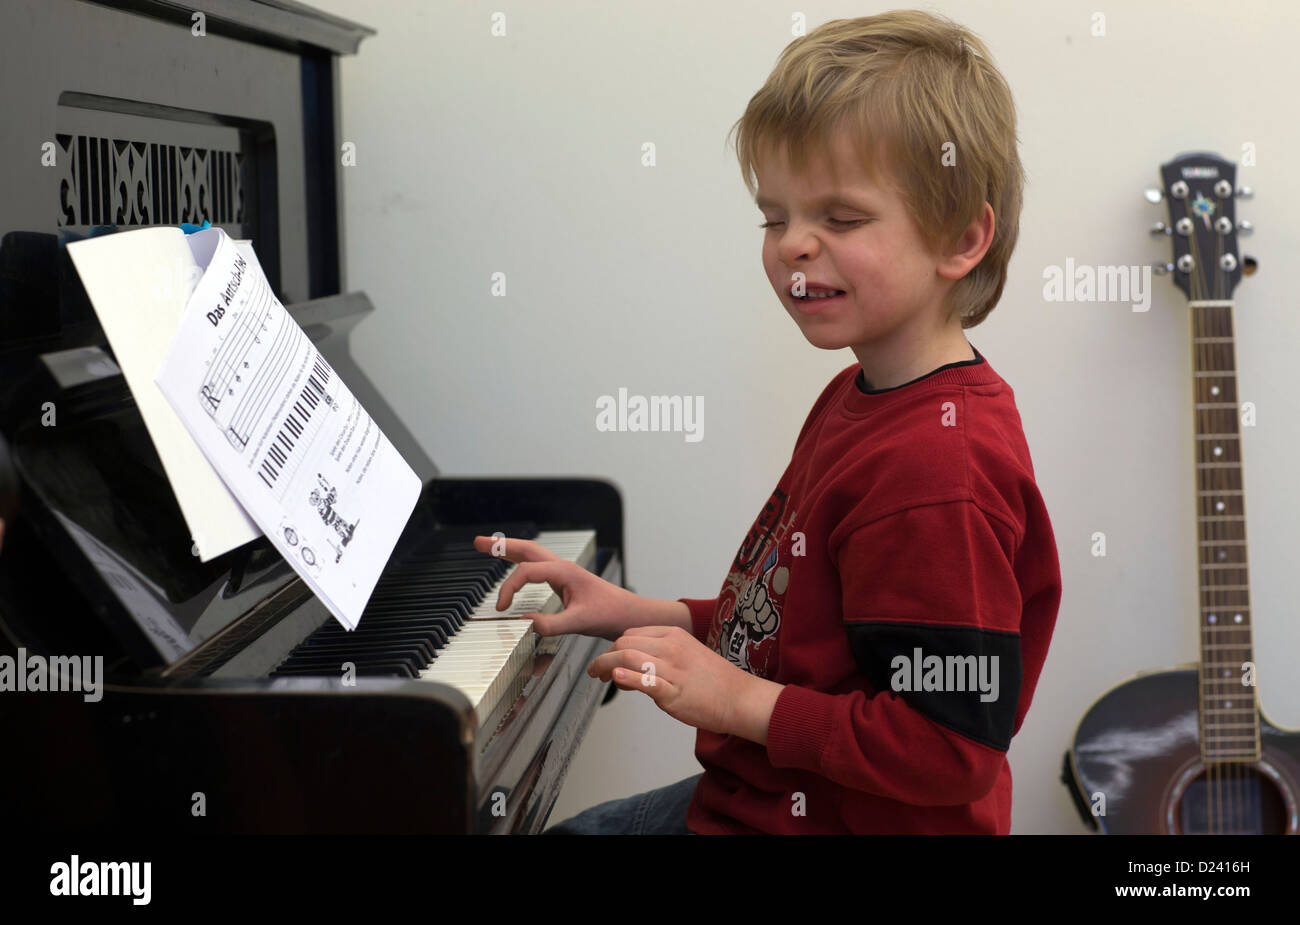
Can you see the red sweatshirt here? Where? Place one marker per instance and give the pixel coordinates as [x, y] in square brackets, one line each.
[902, 583]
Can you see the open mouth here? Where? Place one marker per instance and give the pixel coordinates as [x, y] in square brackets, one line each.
[814, 303]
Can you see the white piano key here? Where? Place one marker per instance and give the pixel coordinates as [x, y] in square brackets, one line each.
[492, 654]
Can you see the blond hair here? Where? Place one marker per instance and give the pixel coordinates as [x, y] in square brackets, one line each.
[905, 84]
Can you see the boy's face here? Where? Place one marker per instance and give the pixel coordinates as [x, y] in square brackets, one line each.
[858, 238]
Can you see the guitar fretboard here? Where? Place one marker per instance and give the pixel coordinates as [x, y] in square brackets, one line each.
[1228, 710]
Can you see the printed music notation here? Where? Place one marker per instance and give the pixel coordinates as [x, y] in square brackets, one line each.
[248, 368]
[290, 440]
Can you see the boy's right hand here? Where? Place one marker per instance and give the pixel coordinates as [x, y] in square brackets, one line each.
[592, 606]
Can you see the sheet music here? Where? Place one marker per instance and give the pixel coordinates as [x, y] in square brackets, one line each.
[139, 283]
[289, 439]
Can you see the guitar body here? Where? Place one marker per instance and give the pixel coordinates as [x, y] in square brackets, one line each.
[1138, 746]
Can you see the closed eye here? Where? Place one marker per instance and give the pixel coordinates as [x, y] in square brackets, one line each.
[845, 223]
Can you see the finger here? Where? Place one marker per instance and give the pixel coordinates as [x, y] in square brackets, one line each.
[513, 550]
[633, 660]
[653, 632]
[659, 646]
[656, 688]
[553, 573]
[553, 624]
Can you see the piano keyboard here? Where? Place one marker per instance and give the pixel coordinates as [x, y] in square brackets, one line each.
[433, 617]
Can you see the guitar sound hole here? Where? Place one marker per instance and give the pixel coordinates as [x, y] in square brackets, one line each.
[1232, 799]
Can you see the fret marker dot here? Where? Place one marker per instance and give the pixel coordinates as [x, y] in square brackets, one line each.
[1227, 704]
[1218, 451]
[1222, 554]
[1236, 618]
[1227, 672]
[1218, 505]
[1212, 618]
[1214, 390]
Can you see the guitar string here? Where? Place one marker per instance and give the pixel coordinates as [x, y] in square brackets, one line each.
[1223, 324]
[1241, 772]
[1196, 287]
[1195, 292]
[1230, 782]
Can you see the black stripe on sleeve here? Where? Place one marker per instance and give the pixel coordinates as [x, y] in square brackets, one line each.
[972, 664]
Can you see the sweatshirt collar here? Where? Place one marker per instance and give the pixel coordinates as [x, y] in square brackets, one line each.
[963, 372]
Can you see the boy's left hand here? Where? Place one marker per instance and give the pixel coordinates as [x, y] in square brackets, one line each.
[687, 679]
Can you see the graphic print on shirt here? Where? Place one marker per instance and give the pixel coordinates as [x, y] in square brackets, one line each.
[751, 600]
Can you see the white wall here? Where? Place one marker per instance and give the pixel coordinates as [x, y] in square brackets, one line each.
[522, 155]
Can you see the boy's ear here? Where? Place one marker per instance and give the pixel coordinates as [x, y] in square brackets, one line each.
[970, 248]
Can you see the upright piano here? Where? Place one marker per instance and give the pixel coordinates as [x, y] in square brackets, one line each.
[232, 702]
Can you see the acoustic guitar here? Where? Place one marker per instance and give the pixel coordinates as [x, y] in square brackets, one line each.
[1188, 750]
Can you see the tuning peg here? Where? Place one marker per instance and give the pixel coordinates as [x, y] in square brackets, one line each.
[1245, 192]
[1245, 226]
[1153, 194]
[1160, 269]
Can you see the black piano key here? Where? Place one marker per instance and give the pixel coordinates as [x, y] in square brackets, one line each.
[419, 646]
[458, 611]
[412, 616]
[333, 664]
[399, 669]
[434, 587]
[438, 630]
[330, 656]
[420, 603]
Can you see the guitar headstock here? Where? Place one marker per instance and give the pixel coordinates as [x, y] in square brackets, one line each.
[1201, 190]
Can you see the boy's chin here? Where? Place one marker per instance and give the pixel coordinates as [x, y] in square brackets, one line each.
[825, 340]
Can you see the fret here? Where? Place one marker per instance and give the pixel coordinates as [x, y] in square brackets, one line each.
[1222, 491]
[1234, 737]
[1211, 340]
[1225, 465]
[1216, 437]
[1222, 543]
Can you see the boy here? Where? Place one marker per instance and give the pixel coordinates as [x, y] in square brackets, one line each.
[878, 638]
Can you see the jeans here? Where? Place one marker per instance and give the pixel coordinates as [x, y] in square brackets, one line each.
[655, 812]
